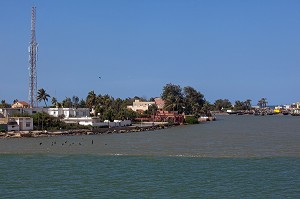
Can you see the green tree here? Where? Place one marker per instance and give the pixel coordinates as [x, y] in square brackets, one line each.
[207, 108]
[54, 101]
[152, 109]
[109, 114]
[42, 96]
[4, 104]
[248, 104]
[75, 101]
[91, 99]
[193, 101]
[222, 104]
[239, 105]
[262, 103]
[82, 104]
[67, 103]
[173, 97]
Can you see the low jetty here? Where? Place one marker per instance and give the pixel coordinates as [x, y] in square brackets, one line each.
[127, 129]
[206, 119]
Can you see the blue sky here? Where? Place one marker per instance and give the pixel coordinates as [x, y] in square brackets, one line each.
[230, 49]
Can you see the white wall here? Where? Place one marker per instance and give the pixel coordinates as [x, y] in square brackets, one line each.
[115, 123]
[25, 123]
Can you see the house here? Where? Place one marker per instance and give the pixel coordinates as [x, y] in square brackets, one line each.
[56, 112]
[8, 112]
[160, 103]
[20, 104]
[138, 105]
[16, 123]
[25, 123]
[68, 112]
[168, 116]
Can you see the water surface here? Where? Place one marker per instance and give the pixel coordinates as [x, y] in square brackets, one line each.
[233, 157]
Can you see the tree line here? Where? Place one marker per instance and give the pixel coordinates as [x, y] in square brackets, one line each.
[185, 100]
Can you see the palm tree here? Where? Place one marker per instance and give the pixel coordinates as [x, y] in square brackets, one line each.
[248, 104]
[75, 101]
[262, 103]
[42, 95]
[54, 101]
[67, 103]
[91, 99]
[264, 100]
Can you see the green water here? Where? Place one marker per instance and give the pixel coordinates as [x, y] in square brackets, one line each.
[234, 157]
[89, 176]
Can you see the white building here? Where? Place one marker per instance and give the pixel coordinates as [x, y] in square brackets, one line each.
[17, 123]
[93, 121]
[56, 112]
[140, 106]
[25, 123]
[69, 112]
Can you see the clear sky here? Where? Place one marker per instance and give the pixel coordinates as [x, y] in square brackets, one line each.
[229, 49]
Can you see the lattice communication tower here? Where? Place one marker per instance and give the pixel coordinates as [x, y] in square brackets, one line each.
[33, 48]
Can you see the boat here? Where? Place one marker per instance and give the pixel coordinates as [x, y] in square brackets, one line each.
[295, 112]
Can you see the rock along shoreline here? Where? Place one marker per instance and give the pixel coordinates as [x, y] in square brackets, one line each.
[76, 132]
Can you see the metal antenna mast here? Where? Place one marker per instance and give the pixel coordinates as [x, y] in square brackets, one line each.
[32, 63]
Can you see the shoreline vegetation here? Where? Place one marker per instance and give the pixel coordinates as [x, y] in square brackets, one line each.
[137, 127]
[75, 132]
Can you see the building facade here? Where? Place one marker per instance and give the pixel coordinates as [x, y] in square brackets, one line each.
[138, 105]
[56, 112]
[16, 123]
[20, 104]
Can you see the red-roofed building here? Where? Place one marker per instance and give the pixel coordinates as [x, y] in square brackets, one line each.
[160, 103]
[167, 116]
[20, 104]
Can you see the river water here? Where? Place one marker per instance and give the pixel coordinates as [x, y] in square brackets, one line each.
[234, 157]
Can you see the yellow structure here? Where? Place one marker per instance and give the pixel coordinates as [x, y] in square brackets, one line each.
[277, 111]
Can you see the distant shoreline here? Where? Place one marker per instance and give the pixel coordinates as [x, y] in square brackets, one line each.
[76, 132]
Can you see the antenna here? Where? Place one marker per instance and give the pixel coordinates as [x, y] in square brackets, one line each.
[32, 63]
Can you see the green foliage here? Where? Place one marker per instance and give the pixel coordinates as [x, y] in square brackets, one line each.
[67, 103]
[189, 101]
[207, 108]
[21, 115]
[4, 104]
[173, 97]
[91, 99]
[54, 101]
[42, 95]
[2, 129]
[262, 103]
[82, 104]
[191, 120]
[221, 104]
[75, 101]
[152, 109]
[44, 121]
[193, 101]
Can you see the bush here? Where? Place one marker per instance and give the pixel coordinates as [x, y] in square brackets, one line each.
[191, 120]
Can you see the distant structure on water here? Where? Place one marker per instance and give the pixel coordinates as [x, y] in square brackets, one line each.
[33, 48]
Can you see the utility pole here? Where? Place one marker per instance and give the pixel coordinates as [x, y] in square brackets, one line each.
[33, 48]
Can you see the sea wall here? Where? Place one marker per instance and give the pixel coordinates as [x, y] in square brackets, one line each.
[126, 129]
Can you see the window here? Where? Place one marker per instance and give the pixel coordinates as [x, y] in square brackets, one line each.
[27, 124]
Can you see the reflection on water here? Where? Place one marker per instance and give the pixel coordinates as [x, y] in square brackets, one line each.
[229, 136]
